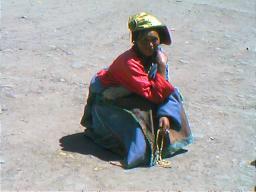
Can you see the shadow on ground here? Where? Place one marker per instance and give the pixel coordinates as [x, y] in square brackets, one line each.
[79, 143]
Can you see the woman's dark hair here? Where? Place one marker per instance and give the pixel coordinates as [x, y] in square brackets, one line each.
[135, 35]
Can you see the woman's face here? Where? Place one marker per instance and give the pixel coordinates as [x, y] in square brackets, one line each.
[148, 42]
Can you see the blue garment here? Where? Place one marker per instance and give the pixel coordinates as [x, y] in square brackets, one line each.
[114, 128]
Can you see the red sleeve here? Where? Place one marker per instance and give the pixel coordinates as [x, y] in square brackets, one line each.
[130, 74]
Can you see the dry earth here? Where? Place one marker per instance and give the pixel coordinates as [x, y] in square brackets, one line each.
[50, 50]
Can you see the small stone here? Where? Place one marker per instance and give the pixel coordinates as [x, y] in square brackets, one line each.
[116, 163]
[62, 80]
[24, 17]
[183, 61]
[2, 161]
[8, 50]
[96, 169]
[3, 108]
[62, 153]
[64, 51]
[23, 120]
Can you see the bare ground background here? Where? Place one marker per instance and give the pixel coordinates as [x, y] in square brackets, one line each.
[50, 50]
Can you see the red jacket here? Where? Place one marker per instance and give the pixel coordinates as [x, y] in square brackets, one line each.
[128, 71]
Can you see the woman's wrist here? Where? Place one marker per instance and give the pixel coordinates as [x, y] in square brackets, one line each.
[161, 69]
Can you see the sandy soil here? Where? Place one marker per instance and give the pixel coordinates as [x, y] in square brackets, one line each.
[50, 50]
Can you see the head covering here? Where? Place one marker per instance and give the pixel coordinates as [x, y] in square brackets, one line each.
[144, 21]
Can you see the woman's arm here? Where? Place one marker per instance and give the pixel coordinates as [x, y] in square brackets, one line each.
[161, 61]
[131, 75]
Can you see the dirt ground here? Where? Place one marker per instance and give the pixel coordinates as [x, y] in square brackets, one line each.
[50, 50]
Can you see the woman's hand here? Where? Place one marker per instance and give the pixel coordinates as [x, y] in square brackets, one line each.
[161, 61]
[164, 123]
[161, 57]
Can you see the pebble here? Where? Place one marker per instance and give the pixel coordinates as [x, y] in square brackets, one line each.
[2, 161]
[3, 108]
[8, 50]
[65, 51]
[62, 153]
[183, 61]
[23, 120]
[24, 17]
[96, 169]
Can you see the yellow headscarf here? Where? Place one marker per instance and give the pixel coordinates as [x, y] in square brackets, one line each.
[142, 21]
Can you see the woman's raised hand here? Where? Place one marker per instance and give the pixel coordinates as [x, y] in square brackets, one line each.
[161, 61]
[164, 123]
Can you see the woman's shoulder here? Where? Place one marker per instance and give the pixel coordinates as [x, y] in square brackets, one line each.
[129, 57]
[130, 53]
[125, 62]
